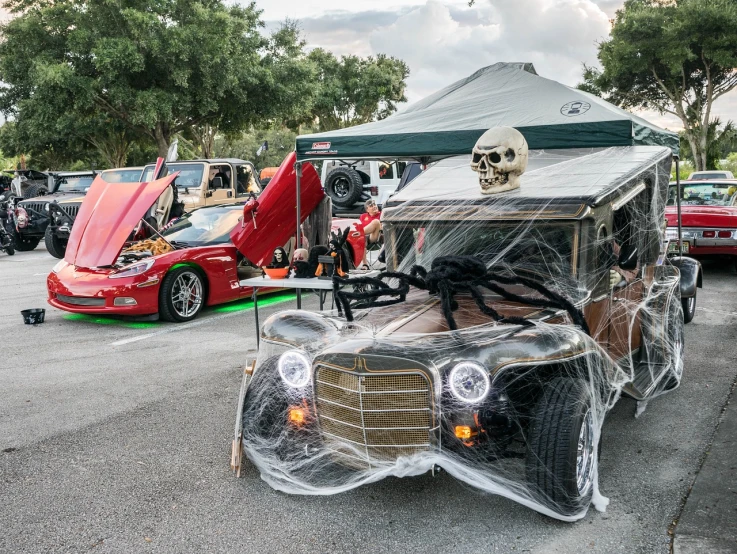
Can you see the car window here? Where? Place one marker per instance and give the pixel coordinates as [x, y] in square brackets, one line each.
[545, 250]
[704, 176]
[245, 180]
[222, 171]
[386, 171]
[75, 184]
[703, 194]
[205, 226]
[190, 175]
[122, 175]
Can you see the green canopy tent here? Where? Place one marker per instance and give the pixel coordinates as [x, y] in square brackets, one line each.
[549, 114]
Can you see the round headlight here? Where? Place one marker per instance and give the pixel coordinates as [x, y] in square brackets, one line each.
[294, 368]
[469, 382]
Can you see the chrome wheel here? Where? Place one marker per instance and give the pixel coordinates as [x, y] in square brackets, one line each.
[186, 294]
[585, 455]
[340, 187]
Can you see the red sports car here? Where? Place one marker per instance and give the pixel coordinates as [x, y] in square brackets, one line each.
[708, 220]
[212, 248]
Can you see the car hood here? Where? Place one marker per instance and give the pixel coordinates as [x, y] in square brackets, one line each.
[109, 212]
[703, 216]
[276, 216]
[60, 196]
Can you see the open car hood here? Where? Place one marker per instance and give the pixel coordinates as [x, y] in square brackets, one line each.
[276, 217]
[109, 212]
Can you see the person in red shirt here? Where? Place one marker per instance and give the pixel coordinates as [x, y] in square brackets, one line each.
[371, 223]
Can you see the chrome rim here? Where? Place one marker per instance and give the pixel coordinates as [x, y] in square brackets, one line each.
[340, 187]
[186, 294]
[585, 455]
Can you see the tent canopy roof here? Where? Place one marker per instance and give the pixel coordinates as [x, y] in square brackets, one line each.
[447, 123]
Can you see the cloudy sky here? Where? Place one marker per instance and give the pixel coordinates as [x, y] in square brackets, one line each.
[445, 40]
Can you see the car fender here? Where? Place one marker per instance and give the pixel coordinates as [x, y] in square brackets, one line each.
[691, 275]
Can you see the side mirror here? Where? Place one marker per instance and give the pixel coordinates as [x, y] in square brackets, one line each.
[628, 258]
[217, 183]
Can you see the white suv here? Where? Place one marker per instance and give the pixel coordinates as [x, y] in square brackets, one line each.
[350, 184]
[711, 174]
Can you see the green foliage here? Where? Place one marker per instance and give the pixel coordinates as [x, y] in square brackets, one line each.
[718, 137]
[281, 143]
[122, 70]
[353, 90]
[675, 57]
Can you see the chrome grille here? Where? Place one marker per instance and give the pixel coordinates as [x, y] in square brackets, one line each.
[369, 419]
[71, 210]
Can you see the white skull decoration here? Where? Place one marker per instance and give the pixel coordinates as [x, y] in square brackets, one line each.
[499, 157]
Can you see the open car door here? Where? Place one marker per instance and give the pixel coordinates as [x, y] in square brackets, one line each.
[275, 216]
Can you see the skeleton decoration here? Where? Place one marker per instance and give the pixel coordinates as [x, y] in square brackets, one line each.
[280, 258]
[499, 157]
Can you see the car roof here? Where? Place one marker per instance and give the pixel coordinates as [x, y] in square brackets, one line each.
[588, 176]
[90, 172]
[706, 182]
[208, 160]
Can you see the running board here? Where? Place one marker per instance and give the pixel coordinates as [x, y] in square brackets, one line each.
[647, 377]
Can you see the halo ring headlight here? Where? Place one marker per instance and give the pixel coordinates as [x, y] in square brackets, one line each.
[294, 368]
[469, 382]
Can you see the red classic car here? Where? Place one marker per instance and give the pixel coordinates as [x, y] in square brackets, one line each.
[709, 218]
[203, 268]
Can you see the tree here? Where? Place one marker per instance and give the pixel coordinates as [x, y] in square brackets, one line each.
[155, 67]
[674, 56]
[717, 138]
[281, 142]
[356, 90]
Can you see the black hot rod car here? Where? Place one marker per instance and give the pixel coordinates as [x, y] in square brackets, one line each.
[503, 330]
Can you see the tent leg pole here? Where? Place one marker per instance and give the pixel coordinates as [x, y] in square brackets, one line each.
[298, 242]
[678, 203]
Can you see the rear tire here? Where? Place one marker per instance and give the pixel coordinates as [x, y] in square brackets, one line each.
[35, 190]
[56, 246]
[689, 308]
[344, 186]
[182, 295]
[9, 244]
[25, 245]
[560, 451]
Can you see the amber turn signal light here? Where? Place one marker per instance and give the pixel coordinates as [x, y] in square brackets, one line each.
[463, 432]
[297, 416]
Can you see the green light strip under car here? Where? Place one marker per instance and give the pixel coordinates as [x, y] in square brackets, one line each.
[236, 306]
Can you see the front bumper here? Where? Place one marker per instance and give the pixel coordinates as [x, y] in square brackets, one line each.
[93, 292]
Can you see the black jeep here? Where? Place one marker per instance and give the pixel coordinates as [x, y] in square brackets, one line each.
[48, 216]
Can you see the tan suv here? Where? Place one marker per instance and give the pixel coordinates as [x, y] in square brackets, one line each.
[211, 182]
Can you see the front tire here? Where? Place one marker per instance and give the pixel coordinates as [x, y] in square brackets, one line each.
[25, 245]
[9, 244]
[561, 457]
[56, 246]
[182, 295]
[689, 308]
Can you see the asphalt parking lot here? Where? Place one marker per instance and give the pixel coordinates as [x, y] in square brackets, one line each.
[115, 437]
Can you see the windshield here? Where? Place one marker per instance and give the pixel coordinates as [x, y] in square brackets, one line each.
[704, 194]
[704, 176]
[544, 250]
[205, 226]
[190, 175]
[122, 175]
[75, 184]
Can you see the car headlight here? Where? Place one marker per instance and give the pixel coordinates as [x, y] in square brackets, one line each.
[469, 382]
[46, 207]
[133, 269]
[294, 368]
[59, 266]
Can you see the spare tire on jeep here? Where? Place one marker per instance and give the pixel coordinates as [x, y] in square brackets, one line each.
[344, 186]
[35, 190]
